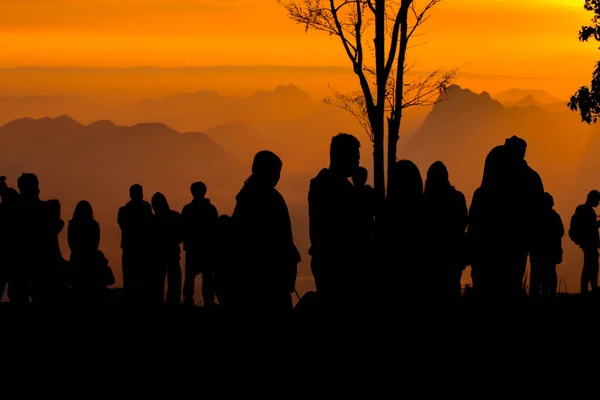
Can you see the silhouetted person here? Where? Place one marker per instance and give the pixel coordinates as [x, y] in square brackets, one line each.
[496, 233]
[200, 225]
[546, 250]
[366, 207]
[528, 198]
[401, 235]
[167, 231]
[9, 255]
[135, 220]
[90, 273]
[39, 226]
[266, 256]
[335, 221]
[584, 232]
[446, 220]
[223, 274]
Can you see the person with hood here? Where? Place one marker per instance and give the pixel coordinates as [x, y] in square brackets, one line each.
[266, 258]
[199, 219]
[495, 231]
[334, 224]
[401, 236]
[446, 216]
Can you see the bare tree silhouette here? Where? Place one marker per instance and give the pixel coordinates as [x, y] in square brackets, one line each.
[384, 93]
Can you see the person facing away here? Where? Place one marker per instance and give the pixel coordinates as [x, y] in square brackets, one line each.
[495, 232]
[334, 223]
[8, 240]
[528, 192]
[90, 272]
[134, 219]
[584, 232]
[400, 233]
[199, 219]
[39, 226]
[446, 220]
[366, 206]
[167, 230]
[546, 250]
[266, 256]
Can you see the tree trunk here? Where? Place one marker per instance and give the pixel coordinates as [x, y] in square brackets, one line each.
[378, 126]
[396, 116]
[393, 137]
[378, 162]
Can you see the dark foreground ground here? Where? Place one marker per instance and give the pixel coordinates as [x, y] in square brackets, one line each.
[115, 299]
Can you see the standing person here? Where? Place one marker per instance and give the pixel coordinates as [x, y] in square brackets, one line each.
[546, 251]
[39, 224]
[167, 230]
[265, 254]
[335, 221]
[135, 220]
[401, 235]
[366, 207]
[9, 255]
[583, 232]
[199, 219]
[446, 217]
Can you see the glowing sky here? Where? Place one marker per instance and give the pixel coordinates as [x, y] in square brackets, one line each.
[516, 37]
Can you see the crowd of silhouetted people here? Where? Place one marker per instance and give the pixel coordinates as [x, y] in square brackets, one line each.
[411, 245]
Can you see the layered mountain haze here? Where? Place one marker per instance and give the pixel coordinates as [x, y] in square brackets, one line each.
[462, 129]
[98, 151]
[516, 95]
[100, 161]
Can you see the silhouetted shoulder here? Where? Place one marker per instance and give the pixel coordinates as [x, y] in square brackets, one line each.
[323, 178]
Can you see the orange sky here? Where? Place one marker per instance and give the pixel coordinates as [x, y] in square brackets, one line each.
[514, 37]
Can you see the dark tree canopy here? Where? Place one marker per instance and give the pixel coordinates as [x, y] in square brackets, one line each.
[587, 98]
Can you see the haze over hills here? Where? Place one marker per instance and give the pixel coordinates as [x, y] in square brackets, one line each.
[98, 163]
[141, 143]
[516, 95]
[463, 129]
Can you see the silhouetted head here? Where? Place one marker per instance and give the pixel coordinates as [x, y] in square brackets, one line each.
[83, 211]
[593, 198]
[517, 147]
[29, 185]
[160, 203]
[407, 183]
[198, 190]
[547, 200]
[136, 192]
[360, 177]
[266, 168]
[494, 169]
[344, 154]
[437, 178]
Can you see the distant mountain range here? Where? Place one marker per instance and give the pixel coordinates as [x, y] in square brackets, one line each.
[517, 95]
[98, 160]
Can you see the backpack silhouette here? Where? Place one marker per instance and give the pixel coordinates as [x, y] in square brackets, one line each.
[575, 228]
